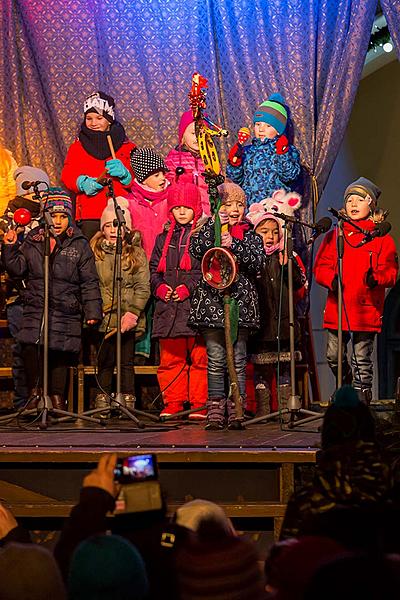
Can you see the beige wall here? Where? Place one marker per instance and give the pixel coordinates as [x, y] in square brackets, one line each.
[371, 148]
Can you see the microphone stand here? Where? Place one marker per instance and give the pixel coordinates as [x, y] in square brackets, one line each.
[294, 408]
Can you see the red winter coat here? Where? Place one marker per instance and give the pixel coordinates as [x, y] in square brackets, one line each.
[364, 306]
[79, 162]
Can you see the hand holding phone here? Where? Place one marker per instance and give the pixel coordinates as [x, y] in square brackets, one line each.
[103, 476]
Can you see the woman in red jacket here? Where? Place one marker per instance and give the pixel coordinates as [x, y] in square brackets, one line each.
[368, 268]
[89, 159]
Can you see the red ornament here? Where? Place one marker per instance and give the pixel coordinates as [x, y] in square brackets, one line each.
[22, 217]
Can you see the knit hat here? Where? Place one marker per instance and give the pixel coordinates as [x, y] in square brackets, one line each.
[231, 191]
[107, 566]
[273, 112]
[102, 104]
[108, 214]
[363, 187]
[27, 173]
[196, 512]
[186, 194]
[219, 569]
[146, 162]
[186, 120]
[59, 200]
[29, 571]
[258, 214]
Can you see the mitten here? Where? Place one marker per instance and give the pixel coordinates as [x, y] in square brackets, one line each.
[282, 144]
[182, 292]
[128, 321]
[226, 240]
[162, 291]
[370, 279]
[235, 154]
[88, 185]
[116, 168]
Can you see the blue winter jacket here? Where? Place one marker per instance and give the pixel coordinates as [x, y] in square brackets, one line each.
[263, 171]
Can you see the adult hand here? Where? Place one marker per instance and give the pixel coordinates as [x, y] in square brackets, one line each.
[164, 292]
[7, 521]
[88, 185]
[103, 476]
[10, 237]
[116, 168]
[92, 321]
[180, 293]
[128, 321]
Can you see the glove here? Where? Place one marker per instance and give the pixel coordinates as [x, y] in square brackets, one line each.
[223, 217]
[128, 321]
[226, 240]
[162, 292]
[116, 168]
[182, 292]
[335, 285]
[235, 154]
[88, 185]
[282, 144]
[370, 279]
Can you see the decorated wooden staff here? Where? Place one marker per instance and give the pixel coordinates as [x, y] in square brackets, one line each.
[218, 265]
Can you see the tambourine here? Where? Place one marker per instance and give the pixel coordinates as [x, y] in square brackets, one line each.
[219, 268]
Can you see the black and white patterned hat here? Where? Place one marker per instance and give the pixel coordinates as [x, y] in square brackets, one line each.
[146, 162]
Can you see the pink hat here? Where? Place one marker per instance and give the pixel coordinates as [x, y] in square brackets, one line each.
[186, 120]
[181, 194]
[257, 214]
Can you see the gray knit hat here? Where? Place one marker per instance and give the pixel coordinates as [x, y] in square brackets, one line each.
[146, 162]
[28, 173]
[363, 187]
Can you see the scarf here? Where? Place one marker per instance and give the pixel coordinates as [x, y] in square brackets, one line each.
[95, 142]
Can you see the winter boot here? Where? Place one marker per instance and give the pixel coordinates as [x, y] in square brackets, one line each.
[263, 397]
[102, 401]
[34, 398]
[57, 402]
[215, 413]
[285, 391]
[130, 401]
[233, 421]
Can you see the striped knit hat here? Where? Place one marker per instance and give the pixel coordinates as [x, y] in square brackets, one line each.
[181, 194]
[273, 112]
[363, 187]
[58, 200]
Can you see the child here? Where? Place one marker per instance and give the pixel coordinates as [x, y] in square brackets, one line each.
[185, 159]
[174, 275]
[148, 197]
[134, 295]
[263, 346]
[207, 308]
[368, 268]
[89, 159]
[74, 292]
[269, 163]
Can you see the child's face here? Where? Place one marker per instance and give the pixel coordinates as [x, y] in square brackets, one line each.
[96, 122]
[269, 231]
[189, 138]
[60, 222]
[235, 211]
[183, 214]
[357, 207]
[156, 181]
[264, 131]
[110, 232]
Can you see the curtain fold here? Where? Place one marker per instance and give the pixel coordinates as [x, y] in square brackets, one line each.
[391, 10]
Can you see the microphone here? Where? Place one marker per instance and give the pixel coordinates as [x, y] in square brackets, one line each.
[27, 185]
[322, 226]
[380, 230]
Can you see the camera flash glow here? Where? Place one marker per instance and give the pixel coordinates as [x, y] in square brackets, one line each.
[387, 47]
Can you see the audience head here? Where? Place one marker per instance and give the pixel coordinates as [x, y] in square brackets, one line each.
[346, 420]
[107, 566]
[204, 518]
[29, 572]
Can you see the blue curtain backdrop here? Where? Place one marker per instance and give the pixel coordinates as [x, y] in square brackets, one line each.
[391, 10]
[144, 53]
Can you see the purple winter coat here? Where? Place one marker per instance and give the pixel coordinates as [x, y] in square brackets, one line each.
[170, 318]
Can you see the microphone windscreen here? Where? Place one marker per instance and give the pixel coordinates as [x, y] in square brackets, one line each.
[22, 216]
[383, 228]
[323, 224]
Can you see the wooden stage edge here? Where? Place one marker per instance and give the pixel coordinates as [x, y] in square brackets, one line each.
[251, 473]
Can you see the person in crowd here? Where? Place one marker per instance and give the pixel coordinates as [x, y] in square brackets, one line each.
[207, 306]
[135, 291]
[273, 295]
[351, 469]
[185, 159]
[201, 515]
[269, 162]
[174, 276]
[28, 201]
[370, 266]
[89, 161]
[74, 293]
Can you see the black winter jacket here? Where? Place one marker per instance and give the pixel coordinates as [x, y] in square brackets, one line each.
[207, 306]
[170, 318]
[73, 282]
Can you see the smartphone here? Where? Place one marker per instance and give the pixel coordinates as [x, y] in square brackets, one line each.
[137, 468]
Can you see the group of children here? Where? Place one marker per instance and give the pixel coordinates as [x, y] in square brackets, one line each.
[169, 228]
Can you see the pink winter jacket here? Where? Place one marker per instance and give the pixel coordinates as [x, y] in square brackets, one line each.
[192, 164]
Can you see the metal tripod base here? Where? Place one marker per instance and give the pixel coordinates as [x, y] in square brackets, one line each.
[313, 416]
[119, 409]
[47, 408]
[181, 413]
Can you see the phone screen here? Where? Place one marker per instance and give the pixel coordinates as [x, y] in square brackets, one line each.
[141, 467]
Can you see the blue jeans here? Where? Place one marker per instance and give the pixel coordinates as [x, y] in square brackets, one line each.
[15, 320]
[217, 367]
[361, 358]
